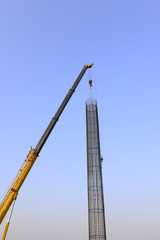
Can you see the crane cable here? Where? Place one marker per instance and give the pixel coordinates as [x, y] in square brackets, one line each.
[91, 80]
[94, 79]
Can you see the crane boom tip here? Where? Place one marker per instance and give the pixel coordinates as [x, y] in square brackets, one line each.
[89, 66]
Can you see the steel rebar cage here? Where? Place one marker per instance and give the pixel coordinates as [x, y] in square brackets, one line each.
[96, 215]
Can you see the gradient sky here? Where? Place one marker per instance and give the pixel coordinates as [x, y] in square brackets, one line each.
[43, 47]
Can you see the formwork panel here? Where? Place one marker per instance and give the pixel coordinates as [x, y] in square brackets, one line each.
[96, 215]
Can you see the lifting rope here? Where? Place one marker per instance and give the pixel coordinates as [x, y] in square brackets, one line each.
[91, 80]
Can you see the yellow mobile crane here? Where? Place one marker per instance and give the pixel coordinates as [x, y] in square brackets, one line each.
[11, 195]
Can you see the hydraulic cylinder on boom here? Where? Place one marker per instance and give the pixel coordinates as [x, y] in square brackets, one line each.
[12, 193]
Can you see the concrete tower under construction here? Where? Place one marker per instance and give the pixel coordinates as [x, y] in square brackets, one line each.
[96, 215]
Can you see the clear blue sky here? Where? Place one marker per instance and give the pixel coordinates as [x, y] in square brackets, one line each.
[43, 47]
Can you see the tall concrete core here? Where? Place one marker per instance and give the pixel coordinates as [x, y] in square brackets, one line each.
[96, 215]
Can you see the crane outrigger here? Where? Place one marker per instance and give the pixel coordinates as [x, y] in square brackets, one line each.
[11, 195]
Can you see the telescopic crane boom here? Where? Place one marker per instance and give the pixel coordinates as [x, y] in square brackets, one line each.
[12, 193]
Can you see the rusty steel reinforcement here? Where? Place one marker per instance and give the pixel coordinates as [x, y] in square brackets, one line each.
[96, 215]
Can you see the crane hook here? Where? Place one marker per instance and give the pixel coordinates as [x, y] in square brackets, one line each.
[90, 83]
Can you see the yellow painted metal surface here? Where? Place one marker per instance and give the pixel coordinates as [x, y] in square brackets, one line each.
[17, 183]
[5, 231]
